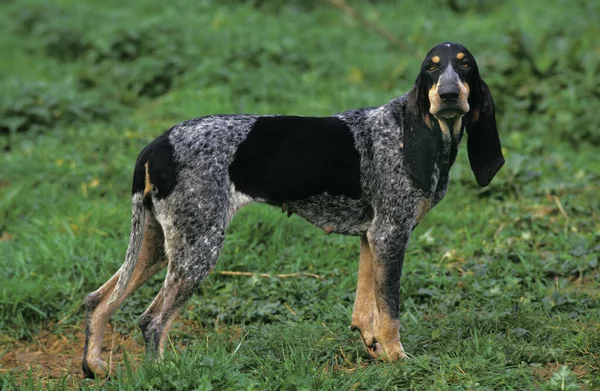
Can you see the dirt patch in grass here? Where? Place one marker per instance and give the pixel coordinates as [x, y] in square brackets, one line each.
[56, 352]
[546, 372]
[52, 355]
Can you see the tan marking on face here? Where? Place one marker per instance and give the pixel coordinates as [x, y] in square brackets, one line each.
[365, 308]
[463, 96]
[443, 125]
[427, 120]
[434, 100]
[423, 208]
[460, 56]
[147, 184]
[435, 59]
[457, 127]
[475, 116]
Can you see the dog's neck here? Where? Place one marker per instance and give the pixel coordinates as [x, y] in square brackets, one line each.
[452, 128]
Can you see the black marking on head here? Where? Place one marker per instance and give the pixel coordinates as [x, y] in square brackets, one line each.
[448, 54]
[159, 155]
[443, 69]
[288, 158]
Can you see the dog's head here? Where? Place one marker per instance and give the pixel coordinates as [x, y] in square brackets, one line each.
[448, 96]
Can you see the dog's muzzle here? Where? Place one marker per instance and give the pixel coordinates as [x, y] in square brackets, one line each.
[450, 102]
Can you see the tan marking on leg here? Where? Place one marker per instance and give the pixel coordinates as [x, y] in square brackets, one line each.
[165, 333]
[164, 310]
[423, 208]
[103, 311]
[387, 330]
[460, 56]
[435, 59]
[97, 323]
[153, 309]
[388, 336]
[365, 308]
[147, 183]
[151, 312]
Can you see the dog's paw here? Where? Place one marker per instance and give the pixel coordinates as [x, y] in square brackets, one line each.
[374, 349]
[392, 352]
[94, 368]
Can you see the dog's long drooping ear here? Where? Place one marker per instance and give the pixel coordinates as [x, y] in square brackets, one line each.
[421, 143]
[483, 144]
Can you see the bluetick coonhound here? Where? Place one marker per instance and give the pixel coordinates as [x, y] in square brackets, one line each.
[371, 172]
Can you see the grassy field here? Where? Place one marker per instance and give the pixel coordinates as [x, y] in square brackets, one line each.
[501, 286]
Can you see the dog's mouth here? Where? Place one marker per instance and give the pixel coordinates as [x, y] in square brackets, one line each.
[449, 113]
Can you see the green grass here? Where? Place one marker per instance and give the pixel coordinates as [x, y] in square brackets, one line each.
[501, 286]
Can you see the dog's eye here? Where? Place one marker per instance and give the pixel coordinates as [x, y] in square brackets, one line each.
[432, 67]
[465, 65]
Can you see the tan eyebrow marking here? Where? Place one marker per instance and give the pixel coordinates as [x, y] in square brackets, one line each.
[435, 59]
[460, 56]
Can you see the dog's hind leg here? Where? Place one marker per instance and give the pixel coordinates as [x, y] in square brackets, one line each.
[99, 307]
[193, 239]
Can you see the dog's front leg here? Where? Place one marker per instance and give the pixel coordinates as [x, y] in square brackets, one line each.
[388, 244]
[365, 312]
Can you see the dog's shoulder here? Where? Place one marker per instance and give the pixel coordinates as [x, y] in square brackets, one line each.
[377, 130]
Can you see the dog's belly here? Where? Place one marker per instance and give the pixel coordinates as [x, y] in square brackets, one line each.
[338, 214]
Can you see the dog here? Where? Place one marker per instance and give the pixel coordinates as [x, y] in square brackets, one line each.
[370, 172]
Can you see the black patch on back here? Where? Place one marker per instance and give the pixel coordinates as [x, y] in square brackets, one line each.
[162, 168]
[287, 158]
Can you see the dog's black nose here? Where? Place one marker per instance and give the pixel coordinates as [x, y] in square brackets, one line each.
[449, 93]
